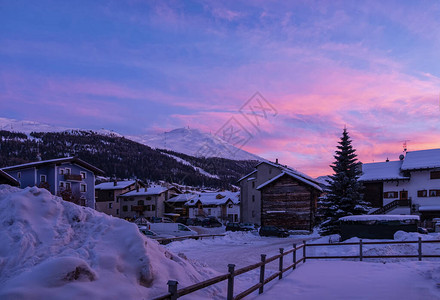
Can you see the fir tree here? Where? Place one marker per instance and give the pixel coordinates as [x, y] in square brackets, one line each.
[344, 198]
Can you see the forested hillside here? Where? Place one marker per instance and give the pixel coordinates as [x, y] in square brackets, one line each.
[120, 157]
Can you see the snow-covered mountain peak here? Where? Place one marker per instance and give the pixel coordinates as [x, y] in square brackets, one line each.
[194, 142]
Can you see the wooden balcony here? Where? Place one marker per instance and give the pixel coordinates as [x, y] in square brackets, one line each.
[73, 177]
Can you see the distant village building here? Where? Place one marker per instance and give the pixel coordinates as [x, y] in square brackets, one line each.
[5, 178]
[148, 202]
[274, 194]
[410, 185]
[224, 206]
[71, 178]
[176, 205]
[107, 195]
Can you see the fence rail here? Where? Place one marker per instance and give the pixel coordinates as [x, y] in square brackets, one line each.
[165, 241]
[174, 293]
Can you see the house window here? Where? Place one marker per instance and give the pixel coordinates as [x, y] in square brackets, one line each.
[148, 198]
[434, 193]
[68, 171]
[83, 188]
[83, 175]
[422, 193]
[141, 202]
[43, 178]
[124, 208]
[68, 186]
[62, 184]
[435, 175]
[110, 205]
[388, 195]
[61, 171]
[253, 184]
[18, 175]
[253, 198]
[117, 211]
[209, 211]
[230, 205]
[153, 207]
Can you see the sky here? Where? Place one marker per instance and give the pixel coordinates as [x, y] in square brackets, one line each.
[138, 67]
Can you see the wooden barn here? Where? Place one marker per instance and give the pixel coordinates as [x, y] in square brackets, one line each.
[289, 201]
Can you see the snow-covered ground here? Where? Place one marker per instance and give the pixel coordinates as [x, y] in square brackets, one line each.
[330, 279]
[338, 280]
[53, 249]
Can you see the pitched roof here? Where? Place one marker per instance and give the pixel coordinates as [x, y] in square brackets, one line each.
[288, 169]
[111, 185]
[182, 198]
[422, 159]
[154, 190]
[382, 171]
[214, 198]
[71, 159]
[245, 176]
[5, 178]
[293, 175]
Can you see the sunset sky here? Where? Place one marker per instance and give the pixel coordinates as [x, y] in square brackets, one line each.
[139, 67]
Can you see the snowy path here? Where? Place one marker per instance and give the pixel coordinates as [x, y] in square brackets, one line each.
[217, 253]
[358, 280]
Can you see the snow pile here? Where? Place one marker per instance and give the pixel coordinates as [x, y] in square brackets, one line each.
[52, 249]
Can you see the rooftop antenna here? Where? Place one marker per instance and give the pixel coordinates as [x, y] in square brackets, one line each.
[405, 148]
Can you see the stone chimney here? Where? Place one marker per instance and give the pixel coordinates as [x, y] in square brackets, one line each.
[276, 161]
[115, 182]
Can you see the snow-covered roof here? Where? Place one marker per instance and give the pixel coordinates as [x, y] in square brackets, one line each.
[288, 169]
[182, 198]
[70, 159]
[293, 175]
[429, 208]
[216, 198]
[245, 176]
[382, 171]
[154, 190]
[422, 159]
[380, 218]
[111, 185]
[5, 177]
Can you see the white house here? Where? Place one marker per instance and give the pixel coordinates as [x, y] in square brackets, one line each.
[146, 202]
[410, 185]
[222, 205]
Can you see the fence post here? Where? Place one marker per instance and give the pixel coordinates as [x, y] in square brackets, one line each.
[294, 256]
[231, 268]
[360, 250]
[304, 251]
[172, 289]
[281, 263]
[420, 249]
[263, 266]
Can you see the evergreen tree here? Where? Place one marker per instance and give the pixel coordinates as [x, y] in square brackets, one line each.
[344, 198]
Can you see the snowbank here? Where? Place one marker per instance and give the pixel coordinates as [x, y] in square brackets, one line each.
[53, 249]
[359, 218]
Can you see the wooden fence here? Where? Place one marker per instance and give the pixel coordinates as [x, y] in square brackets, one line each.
[174, 292]
[165, 241]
